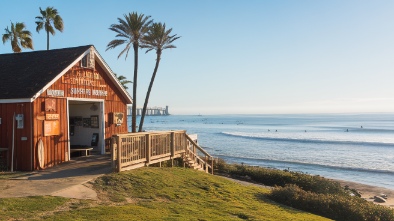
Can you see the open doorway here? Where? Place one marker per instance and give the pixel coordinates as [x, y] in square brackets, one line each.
[86, 127]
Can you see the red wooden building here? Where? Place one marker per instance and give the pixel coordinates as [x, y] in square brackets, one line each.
[51, 101]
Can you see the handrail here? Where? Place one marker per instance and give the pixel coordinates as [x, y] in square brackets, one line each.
[207, 155]
[199, 158]
[151, 132]
[198, 147]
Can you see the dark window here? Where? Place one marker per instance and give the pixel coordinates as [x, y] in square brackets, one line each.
[84, 62]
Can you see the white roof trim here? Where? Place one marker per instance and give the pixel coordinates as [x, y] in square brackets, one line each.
[59, 75]
[20, 100]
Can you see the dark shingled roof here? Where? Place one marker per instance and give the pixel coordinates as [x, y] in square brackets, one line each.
[22, 75]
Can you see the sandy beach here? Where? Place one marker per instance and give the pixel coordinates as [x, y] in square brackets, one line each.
[368, 192]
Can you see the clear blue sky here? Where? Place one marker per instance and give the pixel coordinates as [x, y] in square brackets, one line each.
[306, 56]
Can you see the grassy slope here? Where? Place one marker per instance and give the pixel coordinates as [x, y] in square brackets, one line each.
[158, 194]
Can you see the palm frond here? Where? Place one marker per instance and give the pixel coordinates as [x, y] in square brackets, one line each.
[114, 43]
[129, 30]
[126, 49]
[18, 36]
[123, 81]
[50, 29]
[58, 22]
[7, 35]
[158, 38]
[40, 25]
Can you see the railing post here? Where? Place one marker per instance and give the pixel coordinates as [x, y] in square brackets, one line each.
[194, 151]
[147, 148]
[212, 165]
[172, 144]
[186, 142]
[119, 153]
[114, 153]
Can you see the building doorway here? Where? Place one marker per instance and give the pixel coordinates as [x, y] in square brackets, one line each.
[85, 126]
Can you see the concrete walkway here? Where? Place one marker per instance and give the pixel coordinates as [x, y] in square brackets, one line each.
[67, 179]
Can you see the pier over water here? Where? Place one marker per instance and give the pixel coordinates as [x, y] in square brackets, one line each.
[150, 111]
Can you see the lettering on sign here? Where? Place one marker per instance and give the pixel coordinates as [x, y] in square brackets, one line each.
[55, 93]
[100, 93]
[51, 128]
[51, 116]
[83, 91]
[83, 77]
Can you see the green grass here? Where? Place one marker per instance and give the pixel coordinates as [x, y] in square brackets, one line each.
[27, 207]
[158, 194]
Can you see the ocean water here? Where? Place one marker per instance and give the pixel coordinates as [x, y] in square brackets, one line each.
[357, 148]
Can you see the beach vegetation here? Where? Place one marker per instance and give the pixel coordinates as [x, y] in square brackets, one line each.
[129, 32]
[18, 36]
[333, 206]
[310, 193]
[157, 38]
[49, 20]
[276, 177]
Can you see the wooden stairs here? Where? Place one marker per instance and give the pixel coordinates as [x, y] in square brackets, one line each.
[189, 162]
[193, 161]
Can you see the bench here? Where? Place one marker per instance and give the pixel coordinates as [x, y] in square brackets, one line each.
[84, 150]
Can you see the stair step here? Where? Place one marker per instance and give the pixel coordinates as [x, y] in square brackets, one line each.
[192, 163]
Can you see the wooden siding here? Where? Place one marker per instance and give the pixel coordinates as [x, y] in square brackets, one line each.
[56, 146]
[22, 137]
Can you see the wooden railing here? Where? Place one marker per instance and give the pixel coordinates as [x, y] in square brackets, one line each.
[194, 151]
[135, 150]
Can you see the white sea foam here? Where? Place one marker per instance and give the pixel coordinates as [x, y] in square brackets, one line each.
[317, 137]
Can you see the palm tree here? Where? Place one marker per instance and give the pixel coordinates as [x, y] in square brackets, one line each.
[159, 39]
[18, 36]
[130, 31]
[48, 17]
[123, 80]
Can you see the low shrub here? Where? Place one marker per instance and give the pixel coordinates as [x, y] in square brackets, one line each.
[338, 207]
[275, 177]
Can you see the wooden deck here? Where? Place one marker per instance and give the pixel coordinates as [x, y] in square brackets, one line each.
[133, 150]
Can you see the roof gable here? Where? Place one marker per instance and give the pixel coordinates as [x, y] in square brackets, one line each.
[26, 75]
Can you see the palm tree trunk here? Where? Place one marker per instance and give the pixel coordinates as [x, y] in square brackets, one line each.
[47, 40]
[134, 107]
[149, 90]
